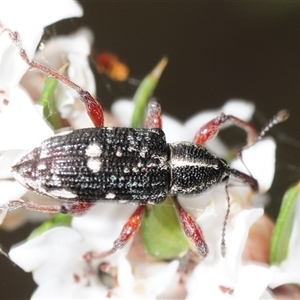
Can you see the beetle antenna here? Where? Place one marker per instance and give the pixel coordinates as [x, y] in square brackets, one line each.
[223, 243]
[281, 116]
[5, 253]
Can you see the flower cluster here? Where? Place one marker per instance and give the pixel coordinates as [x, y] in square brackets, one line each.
[56, 257]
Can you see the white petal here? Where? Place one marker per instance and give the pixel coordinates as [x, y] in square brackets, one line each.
[65, 288]
[151, 279]
[215, 272]
[241, 224]
[7, 160]
[196, 204]
[102, 225]
[80, 72]
[284, 276]
[252, 282]
[78, 43]
[49, 254]
[173, 129]
[10, 190]
[59, 50]
[125, 276]
[205, 281]
[162, 276]
[69, 104]
[240, 108]
[123, 111]
[12, 66]
[29, 130]
[15, 14]
[28, 18]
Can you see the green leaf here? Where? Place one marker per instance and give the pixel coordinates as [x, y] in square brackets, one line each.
[57, 220]
[47, 100]
[162, 232]
[144, 93]
[284, 225]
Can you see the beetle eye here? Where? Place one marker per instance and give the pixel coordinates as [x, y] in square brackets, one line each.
[225, 178]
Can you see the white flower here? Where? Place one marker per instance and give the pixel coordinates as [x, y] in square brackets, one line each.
[28, 18]
[56, 259]
[218, 277]
[75, 50]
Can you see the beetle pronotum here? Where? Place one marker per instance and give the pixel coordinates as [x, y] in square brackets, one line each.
[125, 165]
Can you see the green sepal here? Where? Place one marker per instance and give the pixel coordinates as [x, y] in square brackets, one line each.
[144, 93]
[57, 220]
[162, 232]
[284, 225]
[47, 100]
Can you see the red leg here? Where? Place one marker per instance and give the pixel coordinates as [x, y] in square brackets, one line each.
[192, 229]
[74, 209]
[128, 231]
[153, 119]
[93, 107]
[211, 129]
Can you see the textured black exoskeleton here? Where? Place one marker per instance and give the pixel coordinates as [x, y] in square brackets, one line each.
[120, 164]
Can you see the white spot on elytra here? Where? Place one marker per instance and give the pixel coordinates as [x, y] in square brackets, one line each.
[93, 150]
[123, 201]
[55, 178]
[143, 154]
[119, 152]
[110, 196]
[94, 164]
[44, 152]
[41, 166]
[151, 202]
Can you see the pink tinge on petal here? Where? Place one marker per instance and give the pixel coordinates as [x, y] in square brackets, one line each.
[258, 244]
